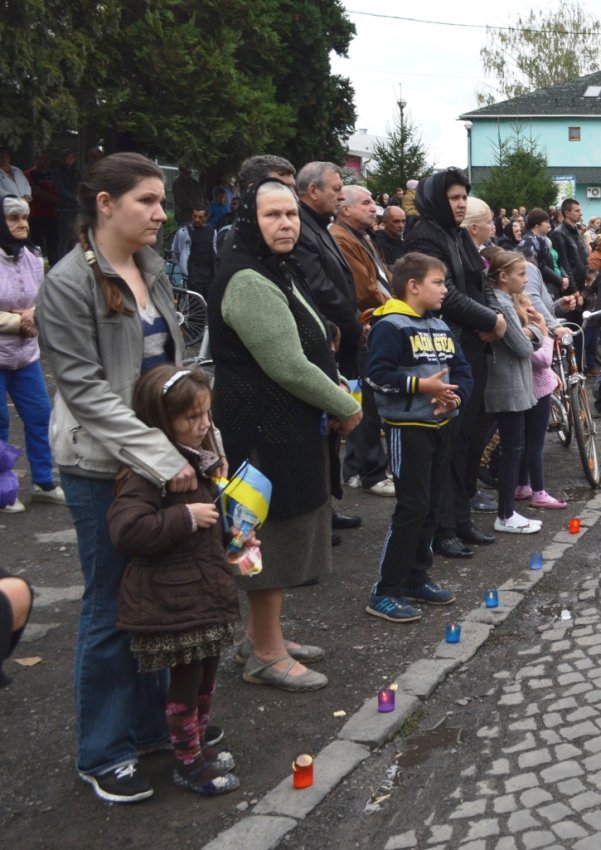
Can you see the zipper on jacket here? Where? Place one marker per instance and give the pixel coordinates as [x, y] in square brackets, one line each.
[136, 463]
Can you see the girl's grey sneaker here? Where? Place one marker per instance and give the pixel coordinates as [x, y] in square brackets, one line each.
[211, 788]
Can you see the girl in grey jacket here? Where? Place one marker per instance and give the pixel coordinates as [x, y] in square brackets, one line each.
[509, 391]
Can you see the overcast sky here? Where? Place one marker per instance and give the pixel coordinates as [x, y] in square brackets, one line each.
[438, 66]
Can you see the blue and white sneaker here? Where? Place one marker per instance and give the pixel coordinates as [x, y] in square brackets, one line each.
[393, 608]
[432, 594]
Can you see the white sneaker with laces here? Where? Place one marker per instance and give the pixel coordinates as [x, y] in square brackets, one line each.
[354, 482]
[56, 496]
[382, 488]
[17, 507]
[518, 524]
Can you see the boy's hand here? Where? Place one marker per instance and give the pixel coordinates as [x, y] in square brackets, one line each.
[205, 512]
[436, 387]
[444, 406]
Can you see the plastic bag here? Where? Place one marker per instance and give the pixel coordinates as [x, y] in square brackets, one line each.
[8, 456]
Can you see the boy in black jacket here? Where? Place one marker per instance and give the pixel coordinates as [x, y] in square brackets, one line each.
[420, 378]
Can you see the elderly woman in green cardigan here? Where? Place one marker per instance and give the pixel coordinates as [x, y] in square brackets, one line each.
[277, 396]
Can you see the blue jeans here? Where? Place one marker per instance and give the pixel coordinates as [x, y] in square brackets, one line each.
[117, 709]
[28, 391]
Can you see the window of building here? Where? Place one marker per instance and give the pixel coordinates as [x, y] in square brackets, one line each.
[574, 134]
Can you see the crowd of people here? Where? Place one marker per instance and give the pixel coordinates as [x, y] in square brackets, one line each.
[444, 313]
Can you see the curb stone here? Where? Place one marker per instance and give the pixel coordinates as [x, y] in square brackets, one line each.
[331, 765]
[263, 831]
[256, 832]
[368, 726]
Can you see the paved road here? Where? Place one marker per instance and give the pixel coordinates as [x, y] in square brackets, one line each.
[507, 754]
[45, 807]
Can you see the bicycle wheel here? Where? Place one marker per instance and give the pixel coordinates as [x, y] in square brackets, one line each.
[559, 420]
[585, 431]
[192, 315]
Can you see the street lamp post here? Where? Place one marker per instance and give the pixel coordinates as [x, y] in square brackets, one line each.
[468, 126]
[402, 104]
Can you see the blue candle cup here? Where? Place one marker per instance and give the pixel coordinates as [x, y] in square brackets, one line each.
[453, 633]
[491, 598]
[536, 561]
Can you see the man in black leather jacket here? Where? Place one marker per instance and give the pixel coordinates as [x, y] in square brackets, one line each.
[442, 202]
[568, 243]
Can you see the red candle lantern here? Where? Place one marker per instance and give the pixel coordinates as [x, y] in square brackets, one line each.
[302, 771]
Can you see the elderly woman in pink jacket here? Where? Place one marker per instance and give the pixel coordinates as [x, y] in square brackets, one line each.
[21, 273]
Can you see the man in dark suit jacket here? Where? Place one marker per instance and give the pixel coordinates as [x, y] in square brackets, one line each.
[319, 187]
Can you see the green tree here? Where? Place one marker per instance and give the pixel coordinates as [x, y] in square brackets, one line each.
[543, 48]
[48, 48]
[400, 158]
[216, 80]
[519, 177]
[322, 103]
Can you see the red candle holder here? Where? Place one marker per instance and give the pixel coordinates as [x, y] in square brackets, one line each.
[302, 771]
[574, 526]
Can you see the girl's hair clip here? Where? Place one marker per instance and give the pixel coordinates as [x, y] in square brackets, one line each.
[90, 257]
[173, 380]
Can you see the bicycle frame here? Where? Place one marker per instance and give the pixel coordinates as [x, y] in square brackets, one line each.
[571, 404]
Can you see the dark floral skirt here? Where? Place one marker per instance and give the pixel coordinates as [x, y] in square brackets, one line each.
[169, 649]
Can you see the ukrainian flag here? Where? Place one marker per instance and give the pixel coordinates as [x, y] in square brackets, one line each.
[245, 498]
[355, 389]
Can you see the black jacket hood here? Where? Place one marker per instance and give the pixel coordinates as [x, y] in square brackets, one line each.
[431, 197]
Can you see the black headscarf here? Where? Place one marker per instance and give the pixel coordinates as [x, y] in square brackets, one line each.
[8, 243]
[431, 196]
[250, 251]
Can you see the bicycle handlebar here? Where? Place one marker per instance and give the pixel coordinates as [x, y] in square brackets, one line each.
[588, 314]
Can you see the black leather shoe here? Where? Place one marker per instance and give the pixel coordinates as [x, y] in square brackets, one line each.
[474, 535]
[336, 540]
[483, 504]
[345, 520]
[452, 548]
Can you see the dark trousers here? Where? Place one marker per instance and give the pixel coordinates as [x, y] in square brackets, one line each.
[44, 232]
[531, 467]
[467, 439]
[66, 231]
[365, 455]
[511, 432]
[419, 459]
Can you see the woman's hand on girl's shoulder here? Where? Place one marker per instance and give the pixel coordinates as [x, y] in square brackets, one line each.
[205, 513]
[184, 481]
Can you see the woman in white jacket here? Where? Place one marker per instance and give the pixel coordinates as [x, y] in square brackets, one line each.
[105, 315]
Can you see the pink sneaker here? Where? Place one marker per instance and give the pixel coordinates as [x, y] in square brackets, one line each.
[522, 491]
[542, 499]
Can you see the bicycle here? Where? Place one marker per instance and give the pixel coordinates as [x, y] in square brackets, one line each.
[570, 407]
[191, 309]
